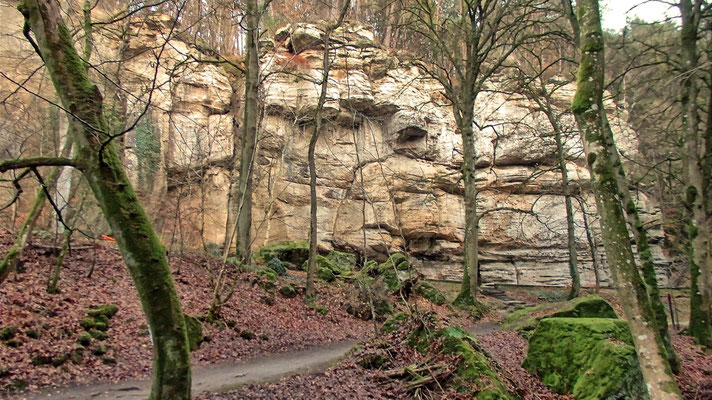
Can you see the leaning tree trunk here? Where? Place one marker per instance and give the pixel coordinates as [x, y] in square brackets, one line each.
[598, 141]
[640, 235]
[142, 252]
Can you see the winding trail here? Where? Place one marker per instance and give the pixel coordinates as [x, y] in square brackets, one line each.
[215, 378]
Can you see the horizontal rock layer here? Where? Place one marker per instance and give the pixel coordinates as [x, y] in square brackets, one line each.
[388, 160]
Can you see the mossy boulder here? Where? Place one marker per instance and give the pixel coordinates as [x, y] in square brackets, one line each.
[90, 323]
[195, 332]
[266, 279]
[327, 269]
[430, 292]
[97, 334]
[591, 358]
[277, 266]
[288, 291]
[107, 311]
[84, 339]
[525, 320]
[294, 253]
[396, 272]
[325, 274]
[8, 332]
[592, 306]
[345, 262]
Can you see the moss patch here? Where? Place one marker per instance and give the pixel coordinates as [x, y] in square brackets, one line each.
[474, 369]
[525, 319]
[591, 358]
[195, 332]
[430, 292]
[294, 253]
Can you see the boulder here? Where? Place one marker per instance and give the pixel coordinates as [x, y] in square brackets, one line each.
[590, 358]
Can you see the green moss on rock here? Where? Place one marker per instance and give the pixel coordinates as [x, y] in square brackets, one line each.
[325, 274]
[345, 262]
[84, 339]
[292, 252]
[474, 369]
[430, 292]
[98, 335]
[276, 265]
[288, 291]
[90, 323]
[525, 320]
[8, 332]
[591, 358]
[107, 310]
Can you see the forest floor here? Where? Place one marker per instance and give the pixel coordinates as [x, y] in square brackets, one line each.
[48, 325]
[288, 352]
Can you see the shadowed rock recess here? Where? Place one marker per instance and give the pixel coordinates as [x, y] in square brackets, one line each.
[407, 169]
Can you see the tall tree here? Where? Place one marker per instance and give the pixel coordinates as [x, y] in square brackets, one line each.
[462, 46]
[248, 140]
[599, 148]
[98, 159]
[696, 155]
[316, 131]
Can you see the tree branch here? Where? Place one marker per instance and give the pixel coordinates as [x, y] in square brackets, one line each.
[37, 162]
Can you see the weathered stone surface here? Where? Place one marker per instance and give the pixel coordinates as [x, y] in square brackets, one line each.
[388, 159]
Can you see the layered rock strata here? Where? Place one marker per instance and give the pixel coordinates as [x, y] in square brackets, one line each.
[388, 160]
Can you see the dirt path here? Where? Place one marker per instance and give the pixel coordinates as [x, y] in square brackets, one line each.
[215, 378]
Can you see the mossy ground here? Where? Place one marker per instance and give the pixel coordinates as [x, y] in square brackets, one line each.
[592, 306]
[591, 358]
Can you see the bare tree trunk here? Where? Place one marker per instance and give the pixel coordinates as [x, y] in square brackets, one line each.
[142, 252]
[9, 262]
[249, 132]
[598, 141]
[318, 119]
[595, 260]
[470, 283]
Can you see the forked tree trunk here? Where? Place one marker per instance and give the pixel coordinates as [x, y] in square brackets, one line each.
[598, 142]
[142, 252]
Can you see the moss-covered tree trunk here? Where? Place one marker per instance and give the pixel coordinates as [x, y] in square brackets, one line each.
[598, 142]
[142, 252]
[692, 155]
[249, 131]
[318, 121]
[640, 235]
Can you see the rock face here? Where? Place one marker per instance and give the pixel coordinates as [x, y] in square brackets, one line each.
[388, 160]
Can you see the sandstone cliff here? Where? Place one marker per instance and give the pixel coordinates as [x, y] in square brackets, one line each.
[388, 161]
